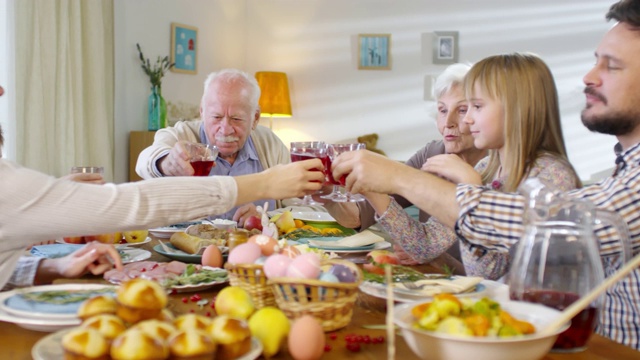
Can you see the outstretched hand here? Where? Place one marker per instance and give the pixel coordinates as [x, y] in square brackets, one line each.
[452, 168]
[295, 179]
[95, 258]
[367, 171]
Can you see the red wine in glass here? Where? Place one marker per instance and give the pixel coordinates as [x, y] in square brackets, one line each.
[582, 325]
[202, 168]
[326, 161]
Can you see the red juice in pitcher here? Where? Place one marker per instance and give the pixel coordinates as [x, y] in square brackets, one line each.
[582, 325]
[202, 168]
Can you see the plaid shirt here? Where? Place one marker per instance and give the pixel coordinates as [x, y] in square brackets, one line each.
[493, 220]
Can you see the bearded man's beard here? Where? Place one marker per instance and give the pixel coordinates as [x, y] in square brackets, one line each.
[614, 123]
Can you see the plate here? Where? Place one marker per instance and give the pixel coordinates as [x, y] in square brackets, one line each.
[313, 216]
[50, 348]
[202, 286]
[15, 305]
[178, 255]
[327, 244]
[485, 287]
[377, 246]
[61, 241]
[165, 232]
[130, 255]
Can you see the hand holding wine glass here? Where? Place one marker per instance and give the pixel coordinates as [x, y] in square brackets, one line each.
[305, 150]
[334, 150]
[201, 157]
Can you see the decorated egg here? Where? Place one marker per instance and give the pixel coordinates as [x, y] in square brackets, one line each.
[290, 251]
[305, 266]
[267, 244]
[276, 265]
[246, 253]
[328, 277]
[343, 273]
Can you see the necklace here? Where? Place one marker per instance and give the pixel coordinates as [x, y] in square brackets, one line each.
[497, 183]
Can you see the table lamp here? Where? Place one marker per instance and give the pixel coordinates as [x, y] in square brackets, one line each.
[274, 100]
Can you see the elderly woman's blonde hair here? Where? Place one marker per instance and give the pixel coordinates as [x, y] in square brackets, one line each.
[524, 85]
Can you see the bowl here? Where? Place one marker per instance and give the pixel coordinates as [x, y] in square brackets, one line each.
[224, 224]
[429, 345]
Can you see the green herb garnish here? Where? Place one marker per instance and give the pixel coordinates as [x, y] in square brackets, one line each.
[400, 273]
[192, 276]
[61, 297]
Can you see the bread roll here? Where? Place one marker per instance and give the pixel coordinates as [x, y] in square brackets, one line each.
[135, 344]
[233, 337]
[140, 299]
[101, 304]
[108, 325]
[192, 344]
[189, 243]
[156, 328]
[85, 344]
[192, 321]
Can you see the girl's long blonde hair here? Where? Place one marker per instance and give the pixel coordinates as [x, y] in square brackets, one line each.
[524, 85]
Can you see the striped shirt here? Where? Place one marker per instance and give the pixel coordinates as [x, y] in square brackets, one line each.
[494, 220]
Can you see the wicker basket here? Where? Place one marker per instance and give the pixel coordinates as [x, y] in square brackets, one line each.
[251, 278]
[330, 303]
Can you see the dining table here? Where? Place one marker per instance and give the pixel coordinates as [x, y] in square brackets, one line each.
[369, 315]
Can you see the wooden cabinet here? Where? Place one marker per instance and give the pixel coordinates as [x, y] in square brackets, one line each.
[138, 141]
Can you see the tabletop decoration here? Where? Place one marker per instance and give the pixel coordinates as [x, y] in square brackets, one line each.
[157, 104]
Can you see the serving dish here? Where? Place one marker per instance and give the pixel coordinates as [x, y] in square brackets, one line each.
[313, 216]
[50, 348]
[177, 254]
[61, 241]
[165, 232]
[485, 287]
[429, 345]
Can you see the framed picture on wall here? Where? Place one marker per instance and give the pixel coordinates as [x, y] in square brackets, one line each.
[184, 48]
[374, 51]
[445, 47]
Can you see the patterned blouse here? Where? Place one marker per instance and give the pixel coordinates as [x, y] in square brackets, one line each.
[494, 220]
[426, 241]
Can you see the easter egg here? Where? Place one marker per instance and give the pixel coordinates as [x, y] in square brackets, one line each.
[246, 253]
[290, 251]
[276, 265]
[306, 339]
[212, 256]
[267, 244]
[343, 273]
[305, 266]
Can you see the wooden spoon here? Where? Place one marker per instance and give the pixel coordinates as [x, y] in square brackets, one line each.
[584, 301]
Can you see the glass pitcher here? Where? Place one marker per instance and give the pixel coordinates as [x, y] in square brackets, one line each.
[557, 260]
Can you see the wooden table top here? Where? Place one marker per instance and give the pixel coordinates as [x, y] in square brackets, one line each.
[16, 342]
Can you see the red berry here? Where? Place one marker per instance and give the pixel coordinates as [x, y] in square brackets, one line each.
[185, 300]
[196, 297]
[192, 311]
[366, 339]
[143, 270]
[359, 339]
[173, 292]
[380, 339]
[327, 348]
[208, 314]
[333, 336]
[353, 346]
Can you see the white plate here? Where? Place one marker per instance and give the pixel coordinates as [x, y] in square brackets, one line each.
[485, 288]
[377, 246]
[61, 241]
[45, 311]
[313, 216]
[165, 232]
[133, 255]
[50, 348]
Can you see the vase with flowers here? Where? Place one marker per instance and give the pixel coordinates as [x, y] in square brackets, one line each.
[157, 104]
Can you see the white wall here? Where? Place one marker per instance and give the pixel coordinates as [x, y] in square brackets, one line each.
[314, 42]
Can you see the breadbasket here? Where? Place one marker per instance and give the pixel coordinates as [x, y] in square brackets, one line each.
[331, 303]
[251, 278]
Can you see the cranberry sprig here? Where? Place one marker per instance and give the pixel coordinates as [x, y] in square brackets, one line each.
[354, 342]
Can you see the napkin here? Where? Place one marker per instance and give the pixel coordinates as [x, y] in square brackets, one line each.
[358, 240]
[54, 250]
[456, 285]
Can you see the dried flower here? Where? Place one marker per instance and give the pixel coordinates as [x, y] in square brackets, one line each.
[159, 68]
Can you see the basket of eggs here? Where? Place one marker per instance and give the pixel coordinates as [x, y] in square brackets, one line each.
[307, 285]
[246, 271]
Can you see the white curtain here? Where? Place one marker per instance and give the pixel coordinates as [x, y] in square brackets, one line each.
[64, 85]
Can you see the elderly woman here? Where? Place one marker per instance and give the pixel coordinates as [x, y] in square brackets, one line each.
[456, 139]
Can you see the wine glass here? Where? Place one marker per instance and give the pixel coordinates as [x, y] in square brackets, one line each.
[333, 151]
[202, 157]
[305, 150]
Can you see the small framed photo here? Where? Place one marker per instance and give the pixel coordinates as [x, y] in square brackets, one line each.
[184, 48]
[374, 51]
[445, 47]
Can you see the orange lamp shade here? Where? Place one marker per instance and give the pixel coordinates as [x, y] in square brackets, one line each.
[274, 98]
